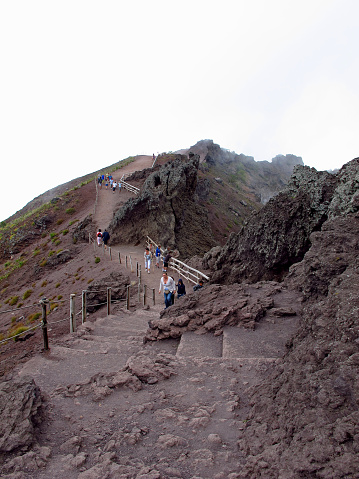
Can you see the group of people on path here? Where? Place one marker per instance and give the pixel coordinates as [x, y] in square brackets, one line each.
[102, 238]
[109, 181]
[167, 284]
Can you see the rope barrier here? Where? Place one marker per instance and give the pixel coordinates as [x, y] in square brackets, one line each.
[18, 309]
[19, 334]
[55, 322]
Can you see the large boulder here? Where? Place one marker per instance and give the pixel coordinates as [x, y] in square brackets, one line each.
[20, 407]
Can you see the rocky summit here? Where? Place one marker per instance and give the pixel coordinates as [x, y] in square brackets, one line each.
[254, 375]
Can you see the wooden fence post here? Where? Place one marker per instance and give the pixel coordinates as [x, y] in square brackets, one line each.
[126, 261]
[119, 257]
[109, 248]
[137, 268]
[144, 294]
[72, 313]
[44, 324]
[139, 292]
[128, 297]
[153, 296]
[139, 275]
[84, 306]
[108, 301]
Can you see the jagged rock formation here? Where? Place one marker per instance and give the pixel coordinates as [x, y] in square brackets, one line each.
[304, 420]
[166, 211]
[278, 236]
[264, 179]
[236, 305]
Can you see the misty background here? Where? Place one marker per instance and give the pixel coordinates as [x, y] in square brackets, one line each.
[86, 84]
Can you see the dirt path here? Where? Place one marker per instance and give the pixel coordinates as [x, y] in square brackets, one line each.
[109, 201]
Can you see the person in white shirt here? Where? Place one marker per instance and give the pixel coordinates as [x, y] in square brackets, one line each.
[169, 286]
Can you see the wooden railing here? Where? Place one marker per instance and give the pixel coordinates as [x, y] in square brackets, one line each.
[186, 271]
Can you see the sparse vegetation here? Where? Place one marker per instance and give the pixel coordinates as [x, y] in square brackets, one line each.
[65, 232]
[33, 317]
[13, 300]
[43, 263]
[44, 283]
[57, 285]
[59, 221]
[97, 259]
[70, 211]
[20, 329]
[27, 294]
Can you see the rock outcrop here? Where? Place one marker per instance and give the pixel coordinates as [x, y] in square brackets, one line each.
[166, 210]
[20, 408]
[279, 235]
[213, 307]
[304, 420]
[262, 178]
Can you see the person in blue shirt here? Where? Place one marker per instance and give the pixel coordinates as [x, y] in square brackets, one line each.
[158, 255]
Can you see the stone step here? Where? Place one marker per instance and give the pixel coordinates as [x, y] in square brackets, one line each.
[266, 341]
[199, 345]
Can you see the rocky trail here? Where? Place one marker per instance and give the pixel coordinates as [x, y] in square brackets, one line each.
[118, 408]
[171, 409]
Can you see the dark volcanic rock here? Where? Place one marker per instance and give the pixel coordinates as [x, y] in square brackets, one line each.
[304, 420]
[83, 229]
[20, 403]
[212, 308]
[167, 211]
[278, 236]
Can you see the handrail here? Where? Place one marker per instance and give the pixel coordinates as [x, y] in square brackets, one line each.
[129, 187]
[188, 273]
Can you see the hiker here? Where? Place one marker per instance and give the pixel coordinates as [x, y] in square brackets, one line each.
[105, 238]
[166, 260]
[114, 186]
[119, 186]
[158, 255]
[168, 285]
[181, 288]
[100, 182]
[99, 237]
[147, 256]
[198, 286]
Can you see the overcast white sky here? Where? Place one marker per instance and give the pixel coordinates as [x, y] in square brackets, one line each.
[86, 83]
